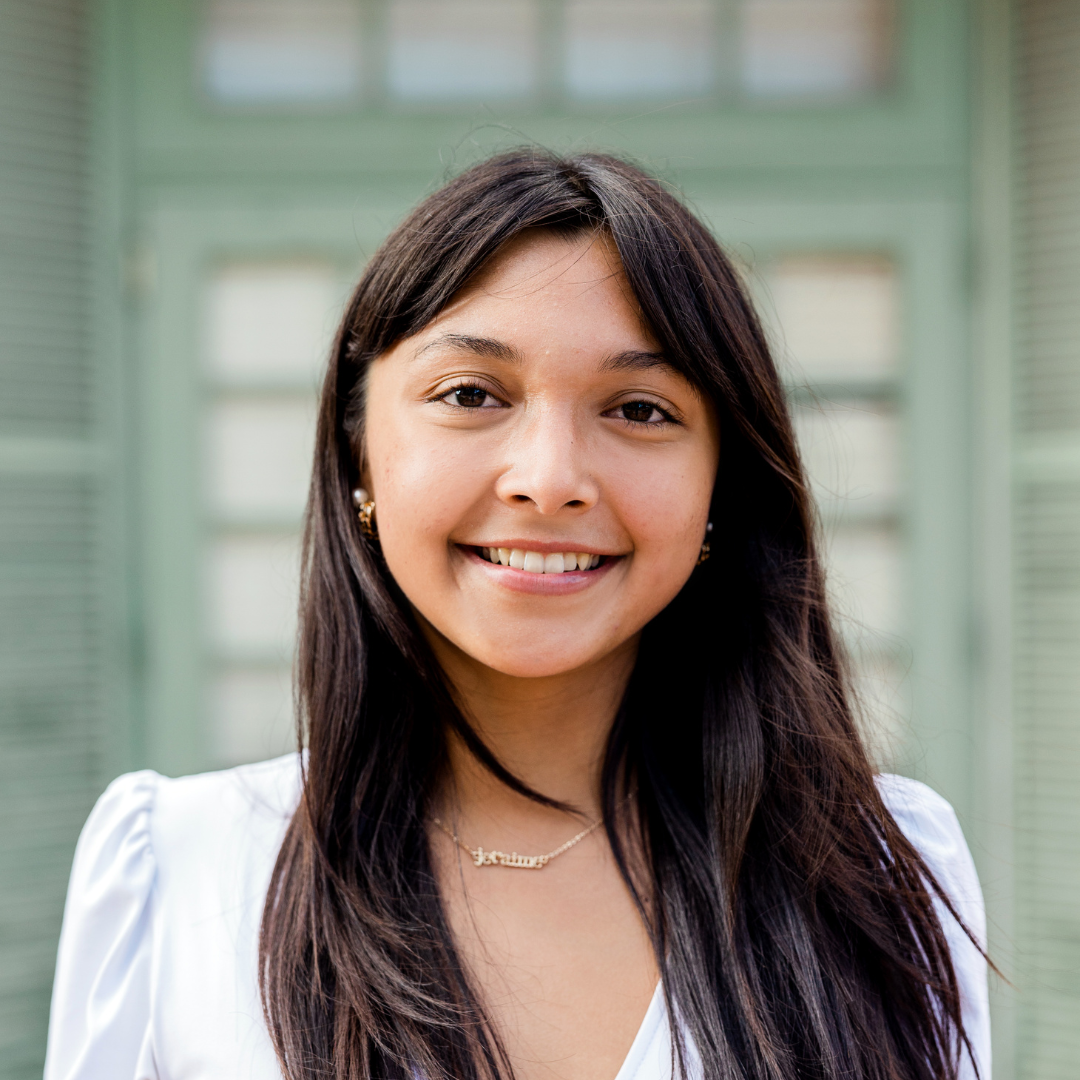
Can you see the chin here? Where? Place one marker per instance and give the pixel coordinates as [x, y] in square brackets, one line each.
[531, 663]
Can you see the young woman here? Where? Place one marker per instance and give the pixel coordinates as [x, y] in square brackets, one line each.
[583, 795]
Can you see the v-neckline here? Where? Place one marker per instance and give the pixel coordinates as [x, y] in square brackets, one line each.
[651, 1025]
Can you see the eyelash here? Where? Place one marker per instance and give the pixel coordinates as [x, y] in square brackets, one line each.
[465, 385]
[667, 420]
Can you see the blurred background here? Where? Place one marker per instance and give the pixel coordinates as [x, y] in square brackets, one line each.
[189, 187]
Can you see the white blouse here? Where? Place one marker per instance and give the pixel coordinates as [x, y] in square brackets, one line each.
[157, 978]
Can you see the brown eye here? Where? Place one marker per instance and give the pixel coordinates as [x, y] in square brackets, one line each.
[640, 411]
[470, 397]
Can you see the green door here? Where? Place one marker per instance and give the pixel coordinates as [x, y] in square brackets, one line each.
[256, 153]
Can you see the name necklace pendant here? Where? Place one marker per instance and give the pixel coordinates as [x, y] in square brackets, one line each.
[481, 857]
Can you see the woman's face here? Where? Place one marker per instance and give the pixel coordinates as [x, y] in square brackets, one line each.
[536, 416]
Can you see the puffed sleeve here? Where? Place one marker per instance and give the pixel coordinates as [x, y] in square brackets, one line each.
[100, 1020]
[930, 823]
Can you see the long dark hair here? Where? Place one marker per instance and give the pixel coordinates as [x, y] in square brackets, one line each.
[792, 921]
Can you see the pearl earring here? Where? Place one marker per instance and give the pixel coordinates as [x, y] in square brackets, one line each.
[704, 553]
[365, 506]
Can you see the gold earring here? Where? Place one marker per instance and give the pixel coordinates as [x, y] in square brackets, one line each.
[365, 508]
[705, 548]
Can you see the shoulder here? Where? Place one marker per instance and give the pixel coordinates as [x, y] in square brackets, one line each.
[267, 786]
[215, 836]
[116, 835]
[919, 810]
[162, 915]
[159, 832]
[168, 814]
[913, 799]
[931, 824]
[208, 806]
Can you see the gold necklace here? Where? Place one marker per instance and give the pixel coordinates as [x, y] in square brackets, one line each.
[480, 857]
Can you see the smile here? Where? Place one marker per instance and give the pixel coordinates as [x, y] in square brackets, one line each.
[537, 562]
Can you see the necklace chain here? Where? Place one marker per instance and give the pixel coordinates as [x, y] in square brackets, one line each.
[480, 857]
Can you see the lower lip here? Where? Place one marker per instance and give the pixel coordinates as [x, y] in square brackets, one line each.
[569, 581]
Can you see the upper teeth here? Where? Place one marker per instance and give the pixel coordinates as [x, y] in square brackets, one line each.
[536, 562]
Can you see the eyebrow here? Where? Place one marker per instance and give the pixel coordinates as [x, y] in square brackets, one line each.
[481, 346]
[635, 360]
[628, 360]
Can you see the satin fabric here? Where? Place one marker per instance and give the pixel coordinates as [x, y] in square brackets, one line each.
[156, 977]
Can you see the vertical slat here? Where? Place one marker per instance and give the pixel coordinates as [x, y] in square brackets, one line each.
[50, 599]
[1048, 545]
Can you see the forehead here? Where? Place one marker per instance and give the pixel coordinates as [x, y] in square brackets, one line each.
[557, 284]
[538, 258]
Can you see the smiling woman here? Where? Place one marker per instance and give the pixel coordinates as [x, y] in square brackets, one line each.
[561, 597]
[536, 414]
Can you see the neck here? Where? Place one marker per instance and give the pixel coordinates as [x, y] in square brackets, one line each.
[550, 732]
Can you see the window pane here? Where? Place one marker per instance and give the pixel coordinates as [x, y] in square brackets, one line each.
[268, 330]
[271, 323]
[836, 325]
[838, 317]
[454, 49]
[639, 48]
[259, 455]
[281, 50]
[253, 715]
[865, 575]
[815, 48]
[852, 453]
[865, 583]
[253, 589]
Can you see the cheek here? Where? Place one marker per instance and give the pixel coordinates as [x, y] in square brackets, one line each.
[667, 512]
[669, 504]
[423, 485]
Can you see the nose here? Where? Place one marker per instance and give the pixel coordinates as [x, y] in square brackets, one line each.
[548, 465]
